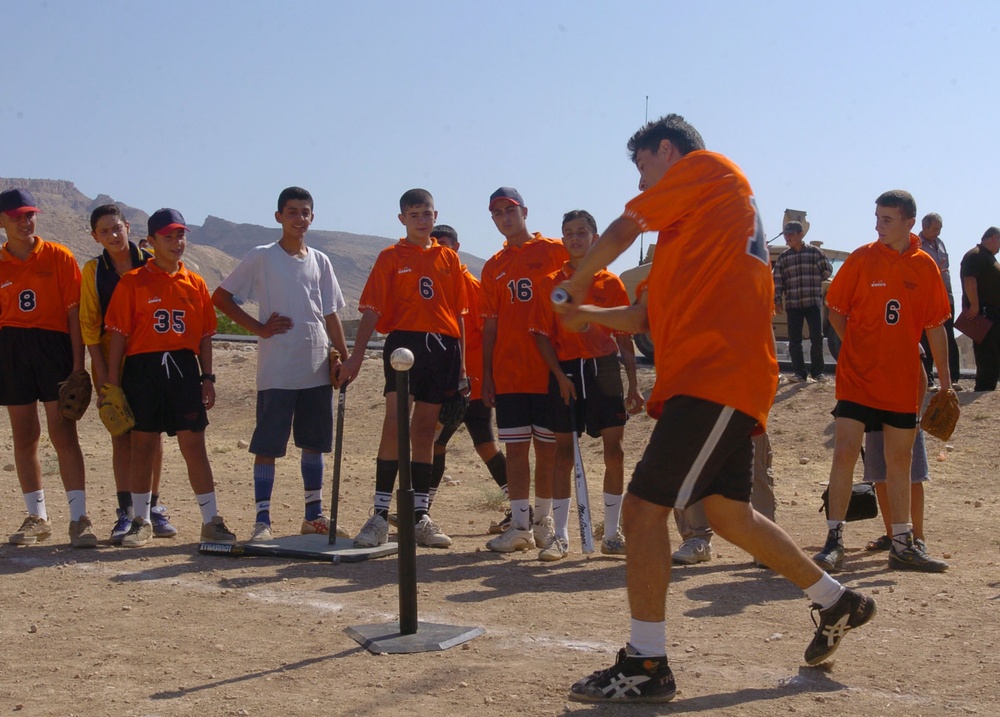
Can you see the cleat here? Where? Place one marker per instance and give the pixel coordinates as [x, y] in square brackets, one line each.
[914, 557]
[373, 533]
[321, 526]
[544, 531]
[261, 533]
[615, 545]
[122, 524]
[497, 527]
[33, 530]
[138, 535]
[831, 557]
[162, 528]
[429, 535]
[81, 533]
[215, 531]
[691, 551]
[557, 549]
[851, 610]
[511, 540]
[631, 679]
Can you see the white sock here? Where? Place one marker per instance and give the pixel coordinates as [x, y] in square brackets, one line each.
[77, 504]
[34, 502]
[209, 509]
[520, 514]
[648, 639]
[612, 514]
[141, 503]
[543, 508]
[560, 514]
[900, 532]
[825, 591]
[837, 525]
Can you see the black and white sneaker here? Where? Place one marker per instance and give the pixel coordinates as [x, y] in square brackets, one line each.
[914, 557]
[851, 610]
[831, 557]
[632, 678]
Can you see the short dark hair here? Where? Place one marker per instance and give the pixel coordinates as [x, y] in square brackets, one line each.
[899, 199]
[443, 230]
[580, 214]
[415, 198]
[294, 193]
[105, 210]
[672, 127]
[991, 232]
[931, 219]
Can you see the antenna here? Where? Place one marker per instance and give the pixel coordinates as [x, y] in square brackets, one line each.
[642, 253]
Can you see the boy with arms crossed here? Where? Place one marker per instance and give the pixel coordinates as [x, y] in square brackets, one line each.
[40, 346]
[100, 277]
[162, 320]
[585, 379]
[299, 298]
[710, 299]
[415, 294]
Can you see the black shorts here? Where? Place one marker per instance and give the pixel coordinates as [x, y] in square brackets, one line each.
[697, 448]
[437, 363]
[306, 413]
[874, 418]
[478, 421]
[523, 415]
[33, 362]
[600, 396]
[164, 391]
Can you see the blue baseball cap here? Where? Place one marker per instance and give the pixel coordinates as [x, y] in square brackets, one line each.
[509, 193]
[163, 221]
[16, 202]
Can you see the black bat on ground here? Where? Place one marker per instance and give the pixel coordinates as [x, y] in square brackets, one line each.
[274, 551]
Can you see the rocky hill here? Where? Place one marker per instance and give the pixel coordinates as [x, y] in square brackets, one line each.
[214, 248]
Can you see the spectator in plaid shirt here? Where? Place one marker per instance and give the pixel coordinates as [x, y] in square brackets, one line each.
[798, 291]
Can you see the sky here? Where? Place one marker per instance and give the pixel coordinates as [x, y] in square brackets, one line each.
[212, 107]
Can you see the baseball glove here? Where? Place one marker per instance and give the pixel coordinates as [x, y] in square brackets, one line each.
[74, 395]
[941, 415]
[114, 409]
[453, 408]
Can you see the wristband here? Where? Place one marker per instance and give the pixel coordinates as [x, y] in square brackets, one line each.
[208, 377]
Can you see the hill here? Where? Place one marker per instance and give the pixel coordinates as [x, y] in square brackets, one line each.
[214, 248]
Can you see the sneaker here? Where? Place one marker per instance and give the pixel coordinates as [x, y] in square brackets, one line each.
[393, 520]
[81, 533]
[956, 387]
[819, 378]
[831, 557]
[615, 545]
[33, 530]
[139, 534]
[373, 533]
[630, 679]
[122, 524]
[851, 610]
[215, 531]
[261, 533]
[321, 525]
[795, 378]
[429, 535]
[512, 539]
[499, 526]
[810, 379]
[544, 530]
[557, 549]
[914, 557]
[693, 550]
[162, 528]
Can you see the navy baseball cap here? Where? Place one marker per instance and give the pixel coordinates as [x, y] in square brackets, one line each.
[164, 221]
[17, 202]
[509, 193]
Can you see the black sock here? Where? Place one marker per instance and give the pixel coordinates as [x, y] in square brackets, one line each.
[497, 466]
[124, 501]
[385, 480]
[420, 476]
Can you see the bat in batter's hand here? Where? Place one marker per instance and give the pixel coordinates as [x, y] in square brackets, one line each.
[582, 494]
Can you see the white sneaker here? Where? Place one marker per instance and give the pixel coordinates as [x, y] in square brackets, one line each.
[557, 549]
[512, 539]
[693, 550]
[544, 530]
[374, 533]
[615, 545]
[429, 535]
[261, 533]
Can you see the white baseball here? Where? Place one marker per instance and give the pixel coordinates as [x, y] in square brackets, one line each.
[401, 359]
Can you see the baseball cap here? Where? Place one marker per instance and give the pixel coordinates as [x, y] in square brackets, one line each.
[792, 228]
[508, 193]
[17, 201]
[163, 221]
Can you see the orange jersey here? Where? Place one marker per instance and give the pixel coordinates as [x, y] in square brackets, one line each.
[38, 292]
[607, 291]
[157, 311]
[473, 335]
[711, 294]
[889, 299]
[415, 289]
[510, 286]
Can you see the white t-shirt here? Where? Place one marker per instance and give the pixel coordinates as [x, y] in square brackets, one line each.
[303, 289]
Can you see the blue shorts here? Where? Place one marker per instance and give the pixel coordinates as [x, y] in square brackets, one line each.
[305, 413]
[33, 362]
[875, 459]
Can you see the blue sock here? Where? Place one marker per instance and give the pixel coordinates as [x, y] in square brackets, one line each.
[263, 484]
[312, 482]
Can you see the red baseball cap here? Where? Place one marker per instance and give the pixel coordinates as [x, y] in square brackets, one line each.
[15, 202]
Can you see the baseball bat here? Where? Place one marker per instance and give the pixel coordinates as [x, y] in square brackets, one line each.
[338, 454]
[269, 551]
[580, 481]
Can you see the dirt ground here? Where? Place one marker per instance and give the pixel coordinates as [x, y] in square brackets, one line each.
[164, 631]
